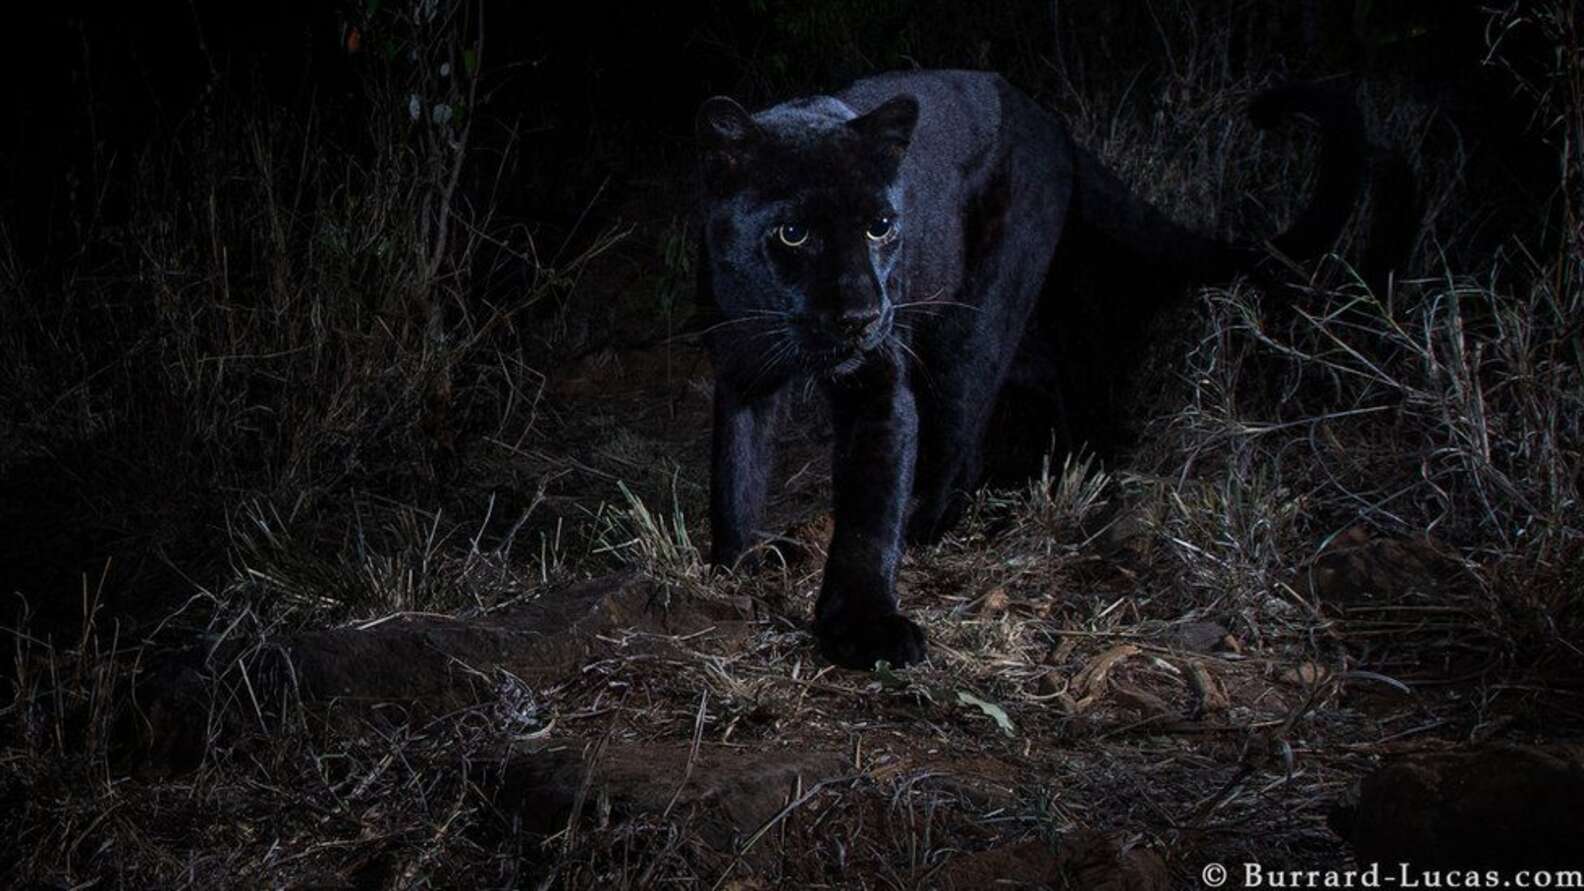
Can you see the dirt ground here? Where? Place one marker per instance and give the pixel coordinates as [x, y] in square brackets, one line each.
[1085, 720]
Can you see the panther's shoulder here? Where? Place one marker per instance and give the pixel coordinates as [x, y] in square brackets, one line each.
[961, 114]
[948, 91]
[805, 114]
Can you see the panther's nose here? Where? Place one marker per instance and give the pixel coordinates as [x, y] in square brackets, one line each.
[858, 324]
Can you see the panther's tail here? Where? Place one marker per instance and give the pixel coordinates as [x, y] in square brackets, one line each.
[1174, 257]
[1343, 150]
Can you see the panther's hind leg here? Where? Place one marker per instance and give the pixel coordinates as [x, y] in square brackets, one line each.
[952, 419]
[965, 367]
[1012, 219]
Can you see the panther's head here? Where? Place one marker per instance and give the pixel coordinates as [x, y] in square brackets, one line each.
[803, 232]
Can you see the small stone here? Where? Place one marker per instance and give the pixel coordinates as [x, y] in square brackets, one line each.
[1201, 637]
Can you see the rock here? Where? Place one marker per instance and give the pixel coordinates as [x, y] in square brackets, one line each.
[540, 640]
[1493, 808]
[727, 795]
[424, 665]
[1201, 637]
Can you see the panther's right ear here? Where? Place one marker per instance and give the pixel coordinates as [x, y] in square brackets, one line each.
[726, 133]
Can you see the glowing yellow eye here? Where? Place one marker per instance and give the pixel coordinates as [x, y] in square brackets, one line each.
[879, 228]
[792, 234]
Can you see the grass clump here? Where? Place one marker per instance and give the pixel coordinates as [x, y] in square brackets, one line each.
[654, 544]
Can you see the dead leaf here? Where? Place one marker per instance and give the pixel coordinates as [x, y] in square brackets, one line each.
[993, 711]
[1092, 679]
[1209, 695]
[1308, 674]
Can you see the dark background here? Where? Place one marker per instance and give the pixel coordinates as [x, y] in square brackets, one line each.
[605, 91]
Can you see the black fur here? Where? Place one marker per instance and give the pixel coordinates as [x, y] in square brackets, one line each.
[913, 244]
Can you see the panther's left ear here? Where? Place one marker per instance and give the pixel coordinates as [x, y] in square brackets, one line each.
[726, 134]
[890, 125]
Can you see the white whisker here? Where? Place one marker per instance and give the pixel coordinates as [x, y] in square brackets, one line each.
[936, 300]
[748, 316]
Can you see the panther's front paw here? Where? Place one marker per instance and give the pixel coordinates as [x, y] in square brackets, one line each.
[860, 643]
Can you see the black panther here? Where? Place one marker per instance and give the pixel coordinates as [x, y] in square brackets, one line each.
[915, 244]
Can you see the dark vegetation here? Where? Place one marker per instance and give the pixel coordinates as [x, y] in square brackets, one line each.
[318, 327]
